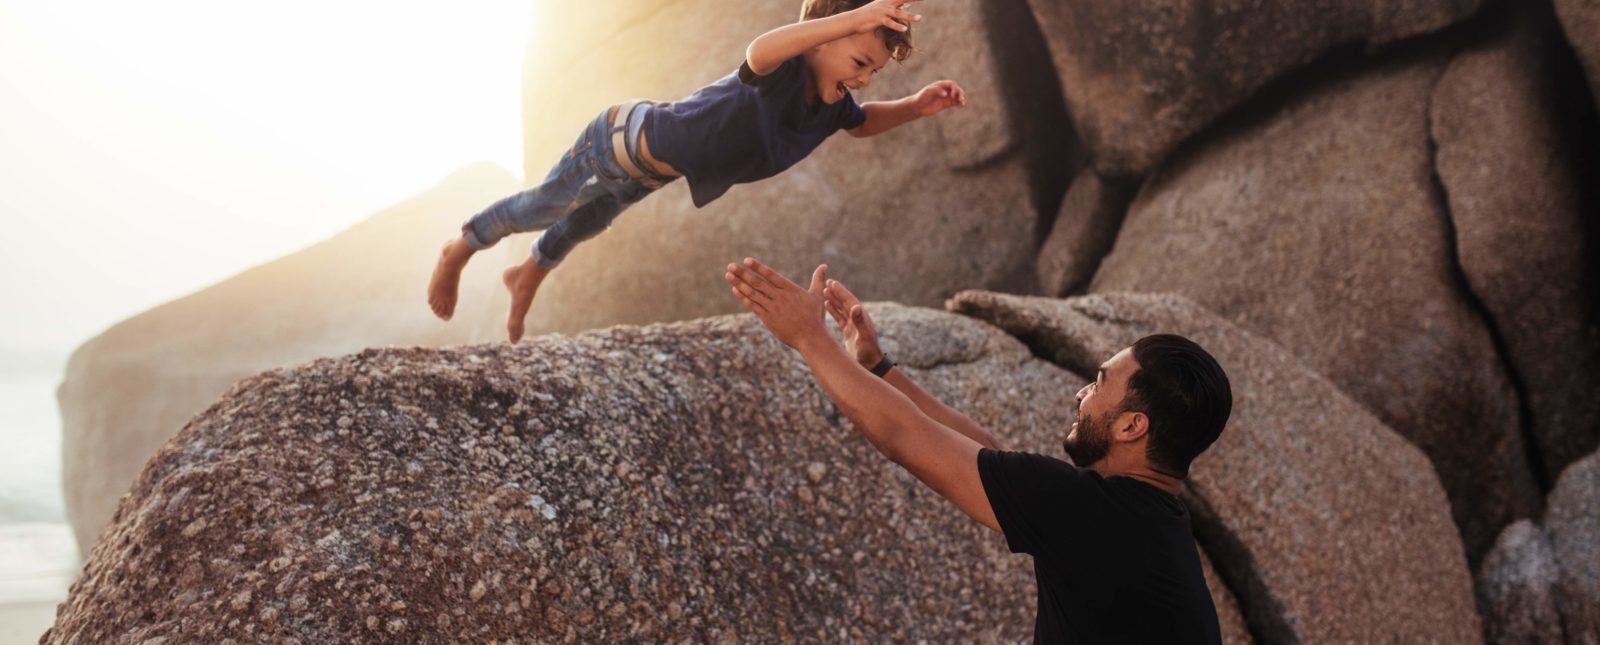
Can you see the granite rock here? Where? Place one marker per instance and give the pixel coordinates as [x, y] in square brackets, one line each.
[1141, 78]
[1516, 588]
[1506, 130]
[682, 481]
[1572, 521]
[1320, 228]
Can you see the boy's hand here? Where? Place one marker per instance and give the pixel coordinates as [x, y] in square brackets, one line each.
[939, 95]
[860, 337]
[883, 13]
[792, 314]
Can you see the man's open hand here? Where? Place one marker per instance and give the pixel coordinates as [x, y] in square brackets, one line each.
[792, 314]
[860, 337]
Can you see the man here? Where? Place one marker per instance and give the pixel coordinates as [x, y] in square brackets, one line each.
[1113, 553]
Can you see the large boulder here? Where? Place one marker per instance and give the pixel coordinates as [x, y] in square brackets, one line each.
[916, 214]
[1140, 78]
[1573, 523]
[131, 388]
[1507, 131]
[684, 481]
[1316, 514]
[1516, 588]
[1319, 227]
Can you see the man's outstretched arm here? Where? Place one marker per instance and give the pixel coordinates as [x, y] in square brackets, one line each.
[861, 340]
[940, 457]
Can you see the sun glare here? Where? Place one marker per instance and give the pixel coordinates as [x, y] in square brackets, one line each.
[150, 149]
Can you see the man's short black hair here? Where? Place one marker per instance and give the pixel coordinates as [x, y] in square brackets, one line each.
[1186, 396]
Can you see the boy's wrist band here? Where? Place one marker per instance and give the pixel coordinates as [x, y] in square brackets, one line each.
[884, 365]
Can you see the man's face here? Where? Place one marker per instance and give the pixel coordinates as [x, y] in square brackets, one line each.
[1099, 408]
[846, 64]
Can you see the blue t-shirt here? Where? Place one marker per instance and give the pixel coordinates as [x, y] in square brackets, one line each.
[744, 128]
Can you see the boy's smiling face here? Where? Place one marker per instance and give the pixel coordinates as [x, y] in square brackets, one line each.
[846, 64]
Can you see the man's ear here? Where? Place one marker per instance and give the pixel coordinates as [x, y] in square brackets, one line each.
[1131, 426]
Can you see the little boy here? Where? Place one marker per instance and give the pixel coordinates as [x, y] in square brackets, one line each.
[791, 93]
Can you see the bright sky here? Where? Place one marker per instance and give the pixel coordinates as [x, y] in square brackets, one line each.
[148, 149]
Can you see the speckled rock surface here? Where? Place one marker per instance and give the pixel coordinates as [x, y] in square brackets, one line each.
[1140, 78]
[684, 481]
[1319, 228]
[1083, 233]
[1516, 588]
[1317, 515]
[1509, 126]
[128, 390]
[951, 192]
[1573, 522]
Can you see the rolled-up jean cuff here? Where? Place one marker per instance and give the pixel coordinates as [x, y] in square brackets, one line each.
[539, 258]
[471, 237]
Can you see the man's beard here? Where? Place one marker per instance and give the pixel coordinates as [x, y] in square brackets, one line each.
[1092, 442]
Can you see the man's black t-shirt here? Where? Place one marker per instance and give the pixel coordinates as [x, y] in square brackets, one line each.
[1114, 557]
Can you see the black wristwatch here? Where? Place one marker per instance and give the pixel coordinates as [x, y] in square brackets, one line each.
[884, 365]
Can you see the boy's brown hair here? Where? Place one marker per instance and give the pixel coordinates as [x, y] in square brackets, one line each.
[898, 42]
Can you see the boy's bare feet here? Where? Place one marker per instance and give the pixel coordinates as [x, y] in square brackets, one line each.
[522, 281]
[447, 276]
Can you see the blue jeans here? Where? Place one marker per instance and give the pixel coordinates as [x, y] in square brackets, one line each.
[580, 197]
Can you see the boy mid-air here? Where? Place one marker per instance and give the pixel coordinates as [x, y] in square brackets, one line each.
[791, 93]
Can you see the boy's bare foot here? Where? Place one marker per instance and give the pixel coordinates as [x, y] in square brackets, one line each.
[522, 281]
[447, 276]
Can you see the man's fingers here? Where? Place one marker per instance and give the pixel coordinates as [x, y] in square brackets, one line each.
[836, 313]
[745, 285]
[773, 277]
[747, 276]
[752, 305]
[818, 279]
[846, 298]
[752, 292]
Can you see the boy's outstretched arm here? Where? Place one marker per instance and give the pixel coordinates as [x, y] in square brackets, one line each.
[883, 116]
[942, 458]
[770, 49]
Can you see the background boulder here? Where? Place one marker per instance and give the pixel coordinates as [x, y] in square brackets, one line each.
[1516, 588]
[1573, 523]
[1320, 227]
[1512, 131]
[1141, 77]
